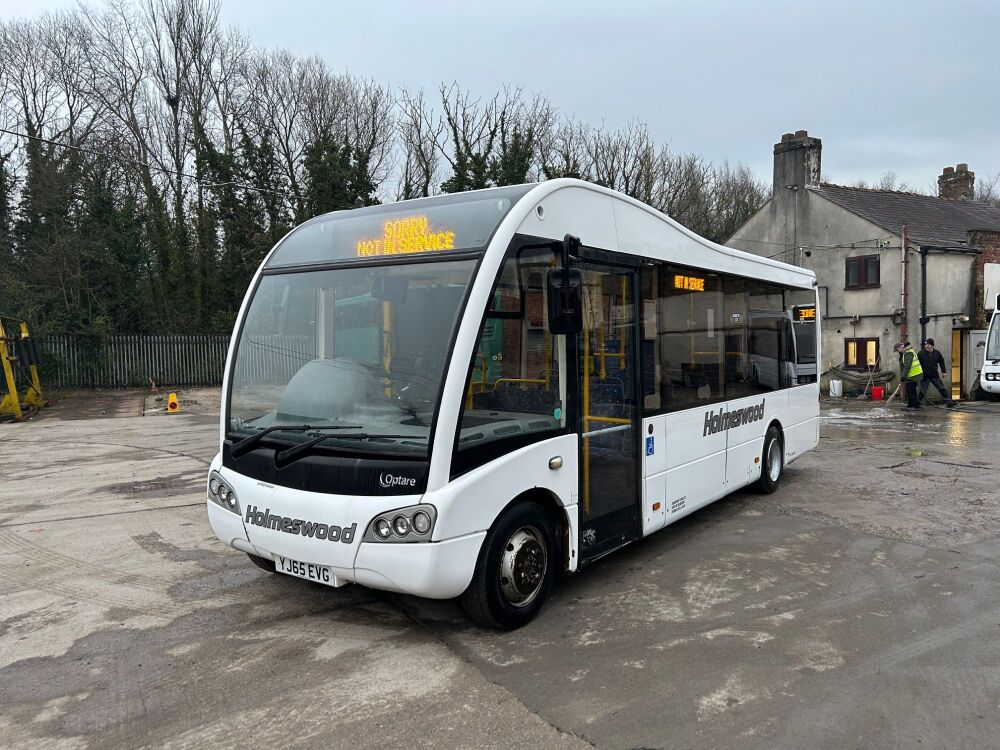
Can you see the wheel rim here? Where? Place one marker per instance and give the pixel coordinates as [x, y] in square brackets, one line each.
[523, 565]
[774, 460]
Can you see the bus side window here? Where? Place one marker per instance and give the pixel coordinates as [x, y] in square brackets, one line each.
[690, 333]
[789, 358]
[654, 394]
[682, 337]
[512, 392]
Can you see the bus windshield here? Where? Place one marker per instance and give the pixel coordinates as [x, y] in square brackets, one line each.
[362, 348]
[993, 340]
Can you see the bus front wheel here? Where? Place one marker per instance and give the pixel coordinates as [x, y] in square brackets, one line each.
[515, 570]
[773, 461]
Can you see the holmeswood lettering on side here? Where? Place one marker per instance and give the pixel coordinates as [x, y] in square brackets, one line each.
[724, 420]
[298, 526]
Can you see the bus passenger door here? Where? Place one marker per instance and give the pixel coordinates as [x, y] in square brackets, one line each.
[607, 416]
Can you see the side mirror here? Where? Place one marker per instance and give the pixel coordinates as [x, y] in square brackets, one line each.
[390, 288]
[565, 300]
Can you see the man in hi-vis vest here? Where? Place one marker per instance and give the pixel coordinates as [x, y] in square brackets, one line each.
[910, 373]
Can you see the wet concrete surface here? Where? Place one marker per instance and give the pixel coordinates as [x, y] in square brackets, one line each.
[856, 607]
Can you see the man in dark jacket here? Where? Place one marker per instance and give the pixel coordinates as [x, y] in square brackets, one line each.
[910, 373]
[932, 364]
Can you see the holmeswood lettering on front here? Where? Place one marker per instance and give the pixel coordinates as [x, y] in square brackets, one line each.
[298, 526]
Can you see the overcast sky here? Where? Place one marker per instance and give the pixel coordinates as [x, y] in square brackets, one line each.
[904, 86]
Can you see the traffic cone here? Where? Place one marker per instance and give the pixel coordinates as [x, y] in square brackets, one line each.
[173, 406]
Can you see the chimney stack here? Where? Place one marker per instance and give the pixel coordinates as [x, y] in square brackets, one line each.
[796, 162]
[957, 183]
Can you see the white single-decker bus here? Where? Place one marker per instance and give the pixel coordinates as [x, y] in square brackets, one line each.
[466, 395]
[989, 376]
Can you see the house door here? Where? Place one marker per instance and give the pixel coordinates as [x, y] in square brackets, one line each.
[608, 414]
[956, 364]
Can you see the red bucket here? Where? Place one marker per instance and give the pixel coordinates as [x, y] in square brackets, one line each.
[878, 393]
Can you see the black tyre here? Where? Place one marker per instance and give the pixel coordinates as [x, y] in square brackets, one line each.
[262, 562]
[515, 570]
[772, 461]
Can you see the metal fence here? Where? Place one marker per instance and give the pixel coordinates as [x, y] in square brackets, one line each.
[122, 361]
[273, 359]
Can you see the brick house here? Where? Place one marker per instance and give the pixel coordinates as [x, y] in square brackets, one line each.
[863, 244]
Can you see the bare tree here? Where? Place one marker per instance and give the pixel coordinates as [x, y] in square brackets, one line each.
[889, 181]
[737, 194]
[473, 128]
[371, 126]
[624, 160]
[279, 96]
[563, 151]
[116, 77]
[420, 134]
[988, 189]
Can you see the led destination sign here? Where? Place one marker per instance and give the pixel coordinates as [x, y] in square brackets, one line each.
[410, 234]
[399, 231]
[804, 313]
[691, 283]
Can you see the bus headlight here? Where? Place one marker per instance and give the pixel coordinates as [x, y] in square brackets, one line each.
[421, 522]
[410, 524]
[222, 494]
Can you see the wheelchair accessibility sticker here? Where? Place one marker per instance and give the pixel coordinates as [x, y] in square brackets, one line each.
[650, 450]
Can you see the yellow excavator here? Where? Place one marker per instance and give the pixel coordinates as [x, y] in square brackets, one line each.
[19, 362]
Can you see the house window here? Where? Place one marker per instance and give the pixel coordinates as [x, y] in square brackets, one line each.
[860, 354]
[861, 272]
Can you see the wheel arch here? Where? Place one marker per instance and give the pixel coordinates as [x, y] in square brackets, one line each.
[556, 511]
[781, 432]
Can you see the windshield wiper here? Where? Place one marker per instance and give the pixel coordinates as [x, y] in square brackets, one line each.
[377, 436]
[289, 455]
[248, 443]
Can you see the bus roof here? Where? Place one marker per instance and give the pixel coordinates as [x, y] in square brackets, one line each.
[601, 217]
[610, 220]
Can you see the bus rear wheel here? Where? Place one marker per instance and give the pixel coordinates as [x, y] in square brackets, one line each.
[773, 461]
[515, 570]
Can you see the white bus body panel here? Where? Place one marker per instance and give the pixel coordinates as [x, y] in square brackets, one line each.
[801, 425]
[693, 469]
[474, 500]
[990, 386]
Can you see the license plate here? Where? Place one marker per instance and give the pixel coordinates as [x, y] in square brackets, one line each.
[309, 571]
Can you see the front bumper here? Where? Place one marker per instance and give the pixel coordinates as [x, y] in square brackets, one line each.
[434, 569]
[990, 386]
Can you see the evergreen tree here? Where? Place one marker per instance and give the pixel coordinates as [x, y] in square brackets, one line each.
[109, 238]
[512, 165]
[337, 177]
[9, 285]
